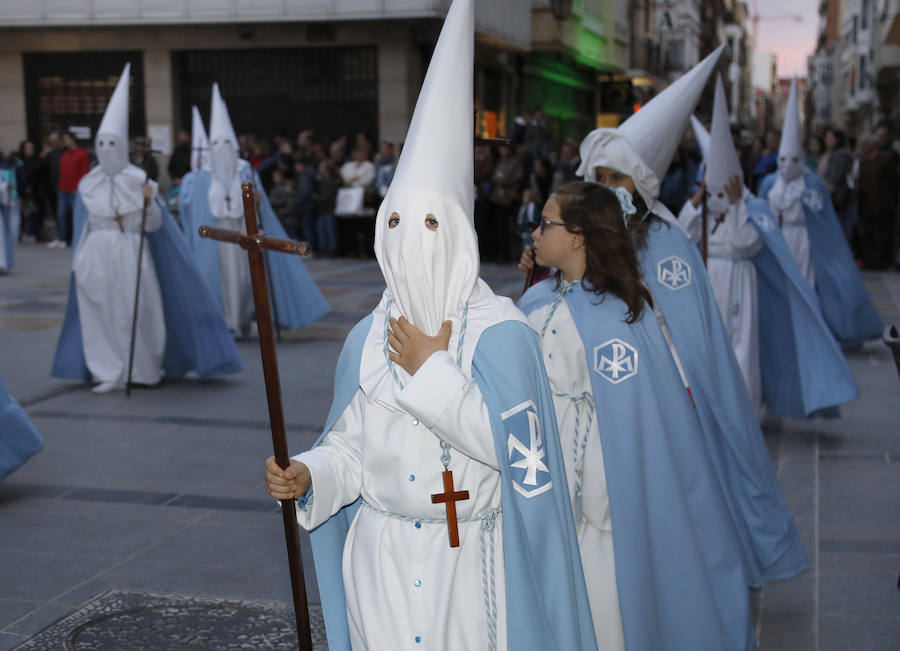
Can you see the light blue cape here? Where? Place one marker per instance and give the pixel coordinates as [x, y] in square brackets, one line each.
[296, 301]
[804, 372]
[546, 599]
[679, 570]
[846, 305]
[772, 548]
[18, 438]
[197, 338]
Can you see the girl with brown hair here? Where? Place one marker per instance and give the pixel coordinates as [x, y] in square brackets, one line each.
[660, 554]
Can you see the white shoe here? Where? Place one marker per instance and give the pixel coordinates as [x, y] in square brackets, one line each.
[107, 387]
[53, 244]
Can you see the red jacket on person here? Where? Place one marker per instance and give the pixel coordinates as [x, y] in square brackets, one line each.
[73, 164]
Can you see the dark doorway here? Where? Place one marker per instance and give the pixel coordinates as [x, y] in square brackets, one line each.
[331, 90]
[66, 89]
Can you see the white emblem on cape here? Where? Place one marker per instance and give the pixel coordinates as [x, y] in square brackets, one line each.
[812, 199]
[529, 458]
[674, 273]
[766, 224]
[615, 360]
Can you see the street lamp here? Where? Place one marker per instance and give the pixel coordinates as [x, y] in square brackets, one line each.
[561, 9]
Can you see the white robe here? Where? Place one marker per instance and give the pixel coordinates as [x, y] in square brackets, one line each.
[566, 364]
[732, 243]
[105, 267]
[234, 272]
[406, 587]
[786, 202]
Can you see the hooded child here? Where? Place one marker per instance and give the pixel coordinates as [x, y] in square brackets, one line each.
[213, 197]
[478, 407]
[635, 155]
[801, 370]
[643, 488]
[178, 329]
[802, 205]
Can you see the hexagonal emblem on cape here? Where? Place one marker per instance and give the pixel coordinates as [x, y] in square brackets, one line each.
[616, 361]
[525, 446]
[674, 273]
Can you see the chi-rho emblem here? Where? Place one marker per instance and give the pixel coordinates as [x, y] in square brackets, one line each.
[673, 272]
[616, 361]
[527, 459]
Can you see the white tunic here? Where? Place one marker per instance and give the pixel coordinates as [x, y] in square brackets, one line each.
[226, 206]
[406, 587]
[732, 242]
[105, 267]
[576, 415]
[785, 200]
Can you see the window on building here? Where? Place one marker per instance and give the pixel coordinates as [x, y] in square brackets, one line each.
[854, 33]
[864, 15]
[71, 89]
[331, 90]
[863, 73]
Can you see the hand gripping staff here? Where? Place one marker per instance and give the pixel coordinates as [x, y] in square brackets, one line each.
[255, 242]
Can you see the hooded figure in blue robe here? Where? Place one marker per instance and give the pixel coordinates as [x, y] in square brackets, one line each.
[387, 574]
[636, 155]
[802, 205]
[787, 354]
[213, 197]
[19, 441]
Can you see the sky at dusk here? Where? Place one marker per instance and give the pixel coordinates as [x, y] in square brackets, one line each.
[790, 40]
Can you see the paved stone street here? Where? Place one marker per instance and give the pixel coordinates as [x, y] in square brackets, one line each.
[150, 511]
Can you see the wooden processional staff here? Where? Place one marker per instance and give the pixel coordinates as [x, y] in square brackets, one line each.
[255, 242]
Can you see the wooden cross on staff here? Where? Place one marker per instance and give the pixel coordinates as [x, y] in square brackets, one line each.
[450, 497]
[255, 243]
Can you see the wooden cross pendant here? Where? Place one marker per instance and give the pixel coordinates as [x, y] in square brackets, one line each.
[450, 497]
[118, 219]
[718, 223]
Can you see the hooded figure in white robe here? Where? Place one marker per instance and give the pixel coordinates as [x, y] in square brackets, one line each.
[199, 143]
[105, 262]
[785, 197]
[387, 575]
[732, 241]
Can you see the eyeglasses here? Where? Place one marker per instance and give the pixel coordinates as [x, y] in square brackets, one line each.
[546, 222]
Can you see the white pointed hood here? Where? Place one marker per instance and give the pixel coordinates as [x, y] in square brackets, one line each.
[790, 152]
[701, 135]
[721, 160]
[643, 146]
[200, 159]
[223, 143]
[431, 274]
[111, 141]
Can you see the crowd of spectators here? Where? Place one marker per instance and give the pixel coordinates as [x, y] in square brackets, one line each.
[311, 181]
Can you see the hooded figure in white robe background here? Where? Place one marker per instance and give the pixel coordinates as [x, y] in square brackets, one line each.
[802, 205]
[212, 195]
[387, 575]
[105, 262]
[732, 239]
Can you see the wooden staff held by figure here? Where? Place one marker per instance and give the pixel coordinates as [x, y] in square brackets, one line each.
[704, 219]
[256, 242]
[137, 289]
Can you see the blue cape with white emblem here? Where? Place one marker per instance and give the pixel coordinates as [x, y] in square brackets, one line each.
[546, 599]
[772, 548]
[679, 570]
[803, 369]
[845, 302]
[296, 301]
[197, 338]
[18, 438]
